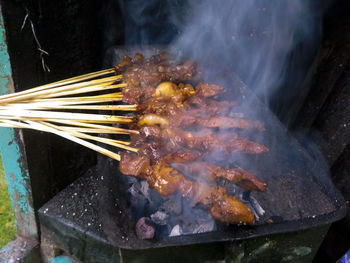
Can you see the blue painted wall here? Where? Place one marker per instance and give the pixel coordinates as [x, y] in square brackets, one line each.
[13, 155]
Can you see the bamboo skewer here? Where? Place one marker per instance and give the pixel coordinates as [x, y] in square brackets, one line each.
[41, 126]
[42, 93]
[35, 114]
[96, 107]
[101, 87]
[63, 82]
[92, 130]
[31, 106]
[39, 109]
[94, 126]
[48, 128]
[112, 142]
[111, 97]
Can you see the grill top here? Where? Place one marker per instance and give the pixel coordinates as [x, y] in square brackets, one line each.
[300, 195]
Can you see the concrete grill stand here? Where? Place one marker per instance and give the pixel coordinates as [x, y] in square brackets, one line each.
[45, 173]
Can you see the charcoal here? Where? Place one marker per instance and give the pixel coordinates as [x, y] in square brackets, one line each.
[197, 220]
[172, 204]
[176, 231]
[145, 189]
[252, 203]
[159, 218]
[144, 228]
[256, 206]
[205, 227]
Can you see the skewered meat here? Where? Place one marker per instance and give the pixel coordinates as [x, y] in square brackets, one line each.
[176, 138]
[210, 172]
[185, 120]
[153, 150]
[143, 75]
[167, 180]
[203, 107]
[182, 157]
[168, 153]
[209, 90]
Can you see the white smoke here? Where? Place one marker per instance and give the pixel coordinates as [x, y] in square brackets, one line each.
[254, 38]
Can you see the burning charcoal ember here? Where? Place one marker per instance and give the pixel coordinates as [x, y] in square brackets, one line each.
[159, 218]
[176, 231]
[144, 228]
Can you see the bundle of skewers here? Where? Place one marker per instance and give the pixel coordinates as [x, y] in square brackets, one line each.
[172, 126]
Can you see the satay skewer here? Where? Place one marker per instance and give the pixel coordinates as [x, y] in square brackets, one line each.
[102, 87]
[37, 114]
[66, 131]
[43, 127]
[96, 107]
[92, 85]
[63, 82]
[110, 97]
[47, 106]
[112, 142]
[95, 126]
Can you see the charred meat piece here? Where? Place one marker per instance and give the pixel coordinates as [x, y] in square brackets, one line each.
[121, 66]
[175, 139]
[240, 144]
[209, 90]
[135, 94]
[203, 107]
[167, 180]
[210, 172]
[133, 165]
[169, 98]
[227, 123]
[153, 150]
[143, 75]
[182, 119]
[128, 62]
[182, 157]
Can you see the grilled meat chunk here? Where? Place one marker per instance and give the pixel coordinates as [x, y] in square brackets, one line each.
[176, 139]
[210, 172]
[133, 165]
[209, 90]
[167, 180]
[143, 75]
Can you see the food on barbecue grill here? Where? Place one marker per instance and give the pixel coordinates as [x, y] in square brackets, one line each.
[178, 126]
[143, 75]
[211, 172]
[185, 120]
[170, 108]
[204, 141]
[167, 180]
